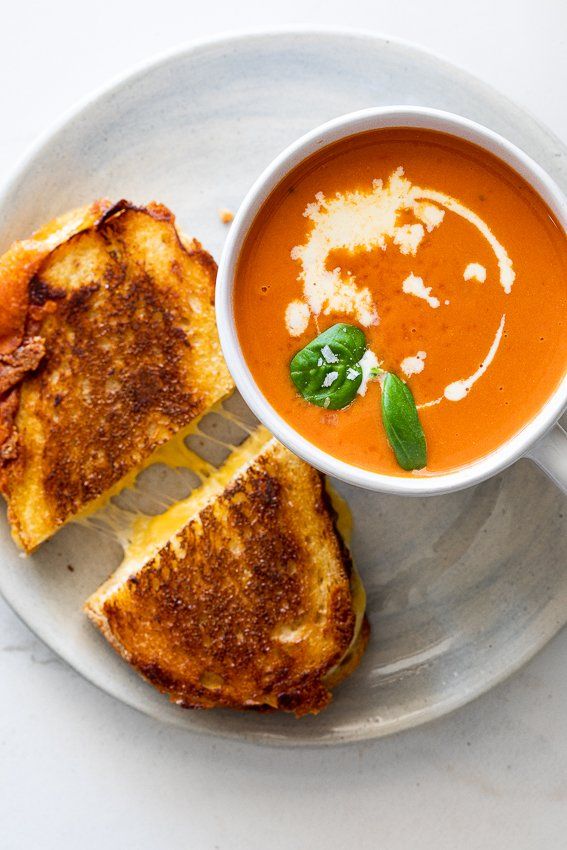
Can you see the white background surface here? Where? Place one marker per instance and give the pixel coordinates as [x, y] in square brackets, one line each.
[78, 769]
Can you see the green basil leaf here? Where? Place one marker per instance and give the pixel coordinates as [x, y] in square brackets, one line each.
[401, 421]
[326, 372]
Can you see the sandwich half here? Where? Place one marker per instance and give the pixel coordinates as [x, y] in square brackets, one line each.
[244, 594]
[108, 347]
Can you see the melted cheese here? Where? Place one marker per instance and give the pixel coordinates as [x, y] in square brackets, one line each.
[173, 453]
[148, 534]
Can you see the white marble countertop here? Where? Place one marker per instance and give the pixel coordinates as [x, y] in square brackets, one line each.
[78, 769]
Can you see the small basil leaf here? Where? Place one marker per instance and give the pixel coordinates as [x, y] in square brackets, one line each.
[401, 421]
[326, 372]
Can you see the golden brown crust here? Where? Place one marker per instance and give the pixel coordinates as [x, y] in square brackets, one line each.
[204, 259]
[22, 260]
[131, 356]
[19, 351]
[249, 605]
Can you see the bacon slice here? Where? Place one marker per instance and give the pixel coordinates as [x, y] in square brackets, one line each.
[26, 358]
[8, 435]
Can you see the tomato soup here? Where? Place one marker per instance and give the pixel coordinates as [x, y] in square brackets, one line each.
[451, 265]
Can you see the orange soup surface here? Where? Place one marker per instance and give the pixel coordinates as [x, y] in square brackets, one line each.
[451, 265]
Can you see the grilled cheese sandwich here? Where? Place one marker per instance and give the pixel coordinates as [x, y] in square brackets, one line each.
[243, 595]
[121, 350]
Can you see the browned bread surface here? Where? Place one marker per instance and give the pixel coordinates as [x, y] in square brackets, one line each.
[126, 315]
[249, 604]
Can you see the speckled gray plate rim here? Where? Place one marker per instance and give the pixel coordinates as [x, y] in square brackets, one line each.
[462, 589]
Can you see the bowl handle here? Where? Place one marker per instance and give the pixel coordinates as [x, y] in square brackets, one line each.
[550, 454]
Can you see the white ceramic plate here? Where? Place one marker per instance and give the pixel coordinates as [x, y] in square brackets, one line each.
[462, 589]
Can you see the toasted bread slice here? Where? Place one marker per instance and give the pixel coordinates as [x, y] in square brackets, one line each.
[242, 595]
[123, 312]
